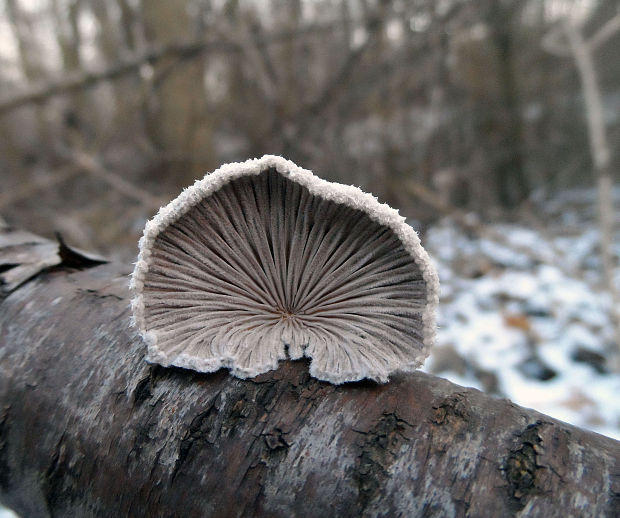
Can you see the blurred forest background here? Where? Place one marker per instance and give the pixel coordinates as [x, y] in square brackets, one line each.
[494, 125]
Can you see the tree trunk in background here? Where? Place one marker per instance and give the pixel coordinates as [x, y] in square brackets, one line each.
[30, 61]
[179, 120]
[508, 167]
[599, 148]
[88, 428]
[78, 120]
[115, 41]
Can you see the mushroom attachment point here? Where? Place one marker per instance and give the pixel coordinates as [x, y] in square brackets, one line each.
[262, 261]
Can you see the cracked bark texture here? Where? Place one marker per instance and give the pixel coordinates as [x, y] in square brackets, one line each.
[88, 428]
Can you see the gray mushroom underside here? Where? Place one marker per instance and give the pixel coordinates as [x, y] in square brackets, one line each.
[262, 269]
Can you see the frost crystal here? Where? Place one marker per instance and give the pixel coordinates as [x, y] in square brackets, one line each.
[262, 260]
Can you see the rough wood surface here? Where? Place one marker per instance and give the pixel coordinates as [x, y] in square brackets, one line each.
[88, 428]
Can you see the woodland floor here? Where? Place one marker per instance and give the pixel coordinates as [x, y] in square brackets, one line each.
[544, 326]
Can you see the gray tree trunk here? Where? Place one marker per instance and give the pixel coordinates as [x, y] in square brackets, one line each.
[88, 428]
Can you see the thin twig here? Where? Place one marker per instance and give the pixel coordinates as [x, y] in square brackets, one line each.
[555, 42]
[92, 166]
[604, 34]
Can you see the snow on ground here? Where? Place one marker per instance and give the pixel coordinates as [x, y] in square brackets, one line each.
[535, 331]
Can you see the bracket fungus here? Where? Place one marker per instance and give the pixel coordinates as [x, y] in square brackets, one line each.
[262, 260]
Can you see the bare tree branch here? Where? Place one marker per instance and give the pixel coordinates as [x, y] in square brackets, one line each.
[604, 34]
[186, 50]
[555, 42]
[309, 114]
[92, 166]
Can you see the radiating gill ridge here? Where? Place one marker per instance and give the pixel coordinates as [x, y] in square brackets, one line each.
[261, 268]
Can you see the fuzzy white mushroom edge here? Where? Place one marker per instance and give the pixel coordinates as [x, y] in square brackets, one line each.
[348, 195]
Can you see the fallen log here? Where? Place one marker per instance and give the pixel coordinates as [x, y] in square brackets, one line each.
[88, 428]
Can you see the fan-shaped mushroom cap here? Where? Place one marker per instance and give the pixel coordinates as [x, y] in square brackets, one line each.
[262, 260]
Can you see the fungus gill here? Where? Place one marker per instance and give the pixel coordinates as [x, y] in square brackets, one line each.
[262, 260]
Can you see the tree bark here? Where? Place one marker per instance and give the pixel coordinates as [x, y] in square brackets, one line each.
[88, 428]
